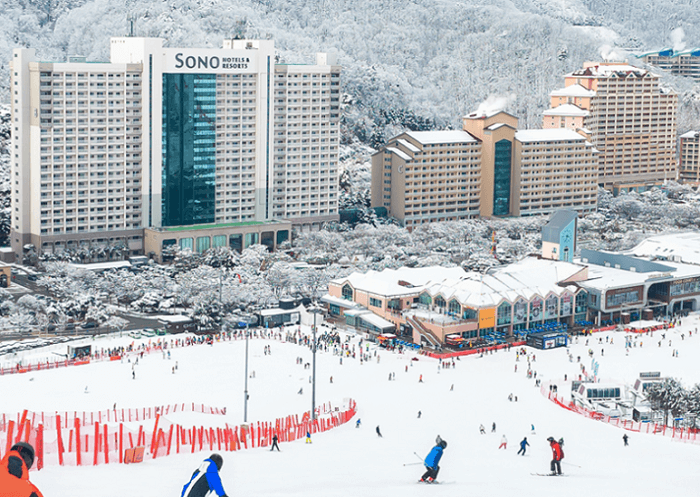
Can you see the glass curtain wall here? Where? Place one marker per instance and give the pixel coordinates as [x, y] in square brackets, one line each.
[189, 151]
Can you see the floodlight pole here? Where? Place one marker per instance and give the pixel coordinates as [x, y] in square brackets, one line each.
[245, 398]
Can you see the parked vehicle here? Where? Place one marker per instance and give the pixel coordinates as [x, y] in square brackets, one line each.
[89, 324]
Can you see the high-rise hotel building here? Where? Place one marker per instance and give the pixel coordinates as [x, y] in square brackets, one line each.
[172, 146]
[689, 158]
[627, 116]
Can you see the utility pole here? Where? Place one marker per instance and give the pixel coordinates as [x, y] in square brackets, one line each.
[315, 310]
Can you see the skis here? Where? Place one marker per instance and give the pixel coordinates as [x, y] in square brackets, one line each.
[547, 474]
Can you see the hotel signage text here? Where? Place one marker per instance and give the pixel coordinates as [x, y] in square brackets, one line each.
[210, 61]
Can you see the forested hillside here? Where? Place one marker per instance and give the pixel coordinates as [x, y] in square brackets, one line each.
[407, 63]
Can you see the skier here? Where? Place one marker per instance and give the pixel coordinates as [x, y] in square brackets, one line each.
[557, 456]
[432, 460]
[274, 443]
[206, 480]
[419, 414]
[504, 442]
[308, 437]
[14, 472]
[482, 430]
[379, 433]
[625, 438]
[493, 427]
[358, 423]
[523, 446]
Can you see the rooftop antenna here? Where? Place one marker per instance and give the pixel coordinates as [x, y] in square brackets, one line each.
[131, 19]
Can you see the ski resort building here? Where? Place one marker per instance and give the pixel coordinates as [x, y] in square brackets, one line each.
[533, 294]
[681, 63]
[160, 138]
[627, 117]
[689, 158]
[489, 168]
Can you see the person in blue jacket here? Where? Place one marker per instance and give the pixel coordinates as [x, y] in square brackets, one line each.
[431, 462]
[206, 479]
[523, 446]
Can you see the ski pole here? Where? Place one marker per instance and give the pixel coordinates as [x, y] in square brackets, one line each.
[419, 457]
[411, 464]
[571, 464]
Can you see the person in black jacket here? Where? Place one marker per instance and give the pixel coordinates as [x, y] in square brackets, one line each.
[205, 480]
[274, 443]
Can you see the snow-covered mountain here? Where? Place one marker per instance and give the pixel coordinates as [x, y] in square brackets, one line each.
[417, 63]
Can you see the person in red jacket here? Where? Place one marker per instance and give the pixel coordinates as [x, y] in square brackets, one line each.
[557, 456]
[14, 472]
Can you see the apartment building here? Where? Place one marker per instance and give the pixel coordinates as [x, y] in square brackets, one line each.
[162, 138]
[682, 63]
[489, 168]
[689, 158]
[628, 118]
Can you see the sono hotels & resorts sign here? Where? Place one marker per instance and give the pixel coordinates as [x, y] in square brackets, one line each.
[210, 61]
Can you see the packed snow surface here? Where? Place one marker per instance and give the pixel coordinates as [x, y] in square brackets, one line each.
[355, 461]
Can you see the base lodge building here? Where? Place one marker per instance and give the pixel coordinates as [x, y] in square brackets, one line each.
[658, 277]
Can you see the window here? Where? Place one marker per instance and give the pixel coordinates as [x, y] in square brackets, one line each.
[454, 307]
[347, 292]
[503, 314]
[375, 302]
[440, 302]
[425, 298]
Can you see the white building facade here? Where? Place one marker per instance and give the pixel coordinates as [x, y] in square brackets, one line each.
[163, 137]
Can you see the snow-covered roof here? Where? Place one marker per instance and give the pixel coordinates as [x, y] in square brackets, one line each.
[386, 282]
[347, 304]
[547, 135]
[526, 278]
[494, 127]
[174, 318]
[567, 110]
[398, 152]
[101, 266]
[277, 311]
[573, 91]
[408, 145]
[445, 136]
[606, 69]
[377, 321]
[691, 134]
[679, 247]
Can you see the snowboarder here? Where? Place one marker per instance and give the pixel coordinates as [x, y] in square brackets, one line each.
[14, 471]
[206, 480]
[274, 443]
[557, 456]
[420, 380]
[625, 438]
[419, 414]
[301, 391]
[432, 460]
[379, 433]
[504, 442]
[523, 446]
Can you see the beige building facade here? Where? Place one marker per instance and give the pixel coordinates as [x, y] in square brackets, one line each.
[487, 169]
[689, 158]
[630, 120]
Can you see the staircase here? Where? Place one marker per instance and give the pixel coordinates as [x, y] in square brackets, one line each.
[423, 332]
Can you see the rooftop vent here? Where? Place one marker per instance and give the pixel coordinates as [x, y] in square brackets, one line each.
[77, 59]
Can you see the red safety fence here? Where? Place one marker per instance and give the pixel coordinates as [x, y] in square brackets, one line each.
[71, 442]
[690, 435]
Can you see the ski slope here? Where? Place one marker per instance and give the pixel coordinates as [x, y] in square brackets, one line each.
[355, 461]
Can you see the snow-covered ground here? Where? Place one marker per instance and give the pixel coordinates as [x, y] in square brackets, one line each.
[355, 461]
